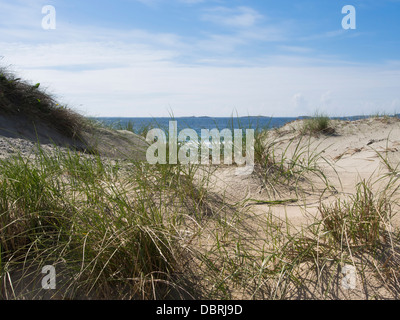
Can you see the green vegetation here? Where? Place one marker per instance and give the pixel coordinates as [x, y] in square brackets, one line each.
[291, 168]
[114, 229]
[124, 229]
[361, 220]
[19, 98]
[317, 124]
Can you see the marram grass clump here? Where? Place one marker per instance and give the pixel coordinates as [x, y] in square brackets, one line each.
[318, 124]
[108, 226]
[360, 222]
[19, 98]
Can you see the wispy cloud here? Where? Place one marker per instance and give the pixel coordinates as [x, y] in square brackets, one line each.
[296, 49]
[142, 72]
[124, 80]
[240, 17]
[153, 3]
[325, 35]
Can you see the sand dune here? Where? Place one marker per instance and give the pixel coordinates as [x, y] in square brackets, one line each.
[364, 150]
[355, 152]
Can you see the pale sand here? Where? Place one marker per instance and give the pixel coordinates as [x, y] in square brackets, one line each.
[350, 156]
[19, 135]
[347, 157]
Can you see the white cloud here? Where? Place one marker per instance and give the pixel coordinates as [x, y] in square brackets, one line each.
[296, 49]
[326, 99]
[325, 35]
[140, 73]
[395, 105]
[300, 103]
[153, 3]
[241, 17]
[191, 1]
[125, 80]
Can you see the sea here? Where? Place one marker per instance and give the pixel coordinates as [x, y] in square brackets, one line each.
[137, 125]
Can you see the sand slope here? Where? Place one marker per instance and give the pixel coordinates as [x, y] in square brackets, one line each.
[357, 151]
[354, 153]
[20, 134]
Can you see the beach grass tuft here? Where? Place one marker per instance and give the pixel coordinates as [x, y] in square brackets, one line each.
[20, 98]
[319, 123]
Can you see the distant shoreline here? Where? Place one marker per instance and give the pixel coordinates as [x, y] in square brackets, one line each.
[206, 122]
[355, 117]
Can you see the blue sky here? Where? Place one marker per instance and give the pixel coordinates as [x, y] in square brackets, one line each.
[208, 57]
